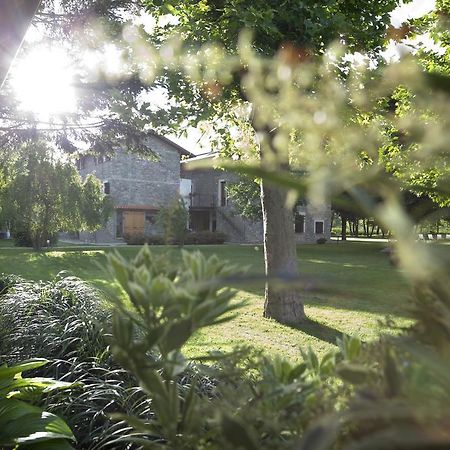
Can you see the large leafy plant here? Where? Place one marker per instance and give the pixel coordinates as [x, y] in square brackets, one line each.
[23, 425]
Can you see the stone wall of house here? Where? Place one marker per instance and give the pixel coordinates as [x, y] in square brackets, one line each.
[205, 188]
[313, 214]
[205, 192]
[136, 181]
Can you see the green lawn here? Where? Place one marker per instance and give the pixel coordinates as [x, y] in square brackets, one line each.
[354, 286]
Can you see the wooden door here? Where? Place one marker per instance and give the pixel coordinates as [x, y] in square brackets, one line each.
[133, 222]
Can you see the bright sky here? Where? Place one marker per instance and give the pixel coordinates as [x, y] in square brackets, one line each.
[43, 79]
[412, 10]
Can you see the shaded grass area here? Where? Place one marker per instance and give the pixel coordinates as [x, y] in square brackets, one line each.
[351, 287]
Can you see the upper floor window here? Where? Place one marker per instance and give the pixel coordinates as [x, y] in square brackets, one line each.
[223, 199]
[101, 159]
[106, 188]
[319, 227]
[81, 163]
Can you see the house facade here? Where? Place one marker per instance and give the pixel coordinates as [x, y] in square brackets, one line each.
[140, 186]
[211, 209]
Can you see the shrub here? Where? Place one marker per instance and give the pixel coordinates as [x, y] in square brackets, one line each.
[192, 238]
[205, 238]
[173, 219]
[57, 319]
[23, 423]
[321, 240]
[7, 281]
[66, 321]
[141, 239]
[22, 238]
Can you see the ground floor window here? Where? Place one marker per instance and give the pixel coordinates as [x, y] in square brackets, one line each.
[299, 223]
[319, 226]
[150, 217]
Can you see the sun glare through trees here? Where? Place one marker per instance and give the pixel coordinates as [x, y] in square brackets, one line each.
[42, 82]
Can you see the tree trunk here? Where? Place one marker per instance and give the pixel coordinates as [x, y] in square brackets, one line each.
[280, 254]
[280, 250]
[343, 228]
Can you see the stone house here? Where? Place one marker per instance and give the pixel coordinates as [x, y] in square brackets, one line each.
[139, 187]
[210, 209]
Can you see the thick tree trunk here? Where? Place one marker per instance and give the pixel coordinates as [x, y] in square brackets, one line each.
[280, 250]
[283, 305]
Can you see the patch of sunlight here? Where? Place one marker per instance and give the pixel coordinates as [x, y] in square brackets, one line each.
[320, 261]
[363, 266]
[65, 254]
[33, 256]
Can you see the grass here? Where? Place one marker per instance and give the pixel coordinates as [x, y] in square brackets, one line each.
[353, 288]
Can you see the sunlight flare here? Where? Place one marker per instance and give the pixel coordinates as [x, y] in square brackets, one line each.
[42, 82]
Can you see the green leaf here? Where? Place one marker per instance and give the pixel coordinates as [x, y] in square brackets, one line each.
[321, 436]
[235, 433]
[23, 423]
[6, 372]
[176, 335]
[353, 373]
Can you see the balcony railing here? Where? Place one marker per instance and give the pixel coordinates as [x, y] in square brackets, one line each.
[202, 200]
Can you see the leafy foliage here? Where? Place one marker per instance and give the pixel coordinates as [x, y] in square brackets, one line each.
[46, 195]
[173, 219]
[191, 238]
[65, 320]
[23, 425]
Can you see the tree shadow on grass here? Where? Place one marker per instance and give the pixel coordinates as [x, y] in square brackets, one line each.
[319, 331]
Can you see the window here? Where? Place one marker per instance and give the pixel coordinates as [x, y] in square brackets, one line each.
[223, 200]
[101, 159]
[150, 217]
[106, 188]
[81, 163]
[319, 227]
[299, 223]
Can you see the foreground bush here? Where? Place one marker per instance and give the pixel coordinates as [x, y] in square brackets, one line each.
[66, 321]
[391, 394]
[23, 425]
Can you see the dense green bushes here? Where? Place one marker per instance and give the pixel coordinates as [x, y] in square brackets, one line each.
[66, 321]
[141, 239]
[205, 238]
[23, 238]
[191, 238]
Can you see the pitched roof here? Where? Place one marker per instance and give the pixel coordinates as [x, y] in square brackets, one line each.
[138, 207]
[200, 157]
[180, 149]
